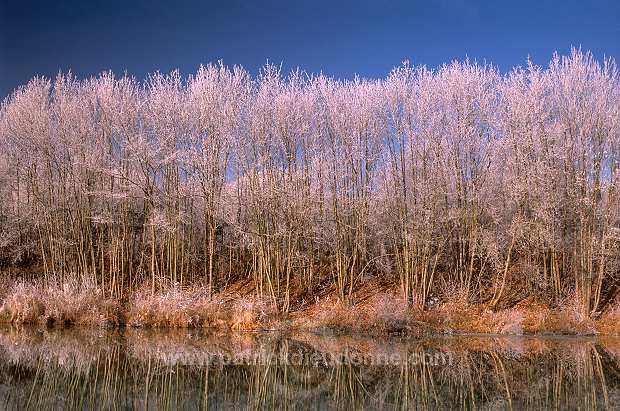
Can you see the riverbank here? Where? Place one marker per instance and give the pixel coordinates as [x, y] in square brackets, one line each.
[372, 310]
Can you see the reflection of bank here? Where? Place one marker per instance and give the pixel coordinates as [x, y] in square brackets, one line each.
[427, 358]
[326, 359]
[180, 369]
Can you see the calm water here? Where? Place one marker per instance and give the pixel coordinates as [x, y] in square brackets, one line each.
[137, 369]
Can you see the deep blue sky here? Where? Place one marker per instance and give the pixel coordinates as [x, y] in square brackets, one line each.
[338, 38]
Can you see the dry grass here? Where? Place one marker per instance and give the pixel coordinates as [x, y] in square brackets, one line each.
[179, 308]
[383, 312]
[249, 312]
[173, 308]
[69, 303]
[523, 318]
[609, 323]
[371, 310]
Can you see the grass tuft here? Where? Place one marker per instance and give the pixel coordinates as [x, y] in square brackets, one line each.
[69, 303]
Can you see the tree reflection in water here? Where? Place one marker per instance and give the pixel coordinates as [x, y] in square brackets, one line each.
[154, 369]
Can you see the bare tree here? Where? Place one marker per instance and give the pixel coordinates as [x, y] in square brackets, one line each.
[458, 180]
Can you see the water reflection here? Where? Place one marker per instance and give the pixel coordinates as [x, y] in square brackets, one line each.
[146, 369]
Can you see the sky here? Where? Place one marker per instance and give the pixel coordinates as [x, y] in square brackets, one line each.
[338, 38]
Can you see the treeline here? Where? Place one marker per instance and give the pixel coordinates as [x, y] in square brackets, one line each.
[458, 181]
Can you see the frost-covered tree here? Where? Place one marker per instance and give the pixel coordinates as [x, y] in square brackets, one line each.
[454, 181]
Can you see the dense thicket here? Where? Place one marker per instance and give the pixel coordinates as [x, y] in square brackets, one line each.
[458, 180]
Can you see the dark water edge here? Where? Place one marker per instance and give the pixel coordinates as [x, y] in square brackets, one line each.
[196, 369]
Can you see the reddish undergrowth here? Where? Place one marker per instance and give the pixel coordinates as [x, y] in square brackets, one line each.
[371, 310]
